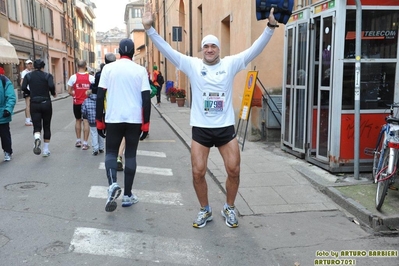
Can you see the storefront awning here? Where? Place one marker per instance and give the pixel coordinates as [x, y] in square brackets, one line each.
[7, 53]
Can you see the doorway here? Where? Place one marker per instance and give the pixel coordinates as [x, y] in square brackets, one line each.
[296, 86]
[321, 98]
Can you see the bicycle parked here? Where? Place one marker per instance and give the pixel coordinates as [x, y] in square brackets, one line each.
[386, 156]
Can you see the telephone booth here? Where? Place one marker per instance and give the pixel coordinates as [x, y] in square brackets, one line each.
[319, 80]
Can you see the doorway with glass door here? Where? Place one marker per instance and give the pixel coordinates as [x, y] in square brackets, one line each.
[296, 87]
[321, 97]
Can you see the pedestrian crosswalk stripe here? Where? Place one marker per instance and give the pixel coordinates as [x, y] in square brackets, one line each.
[168, 198]
[151, 153]
[159, 140]
[148, 170]
[138, 246]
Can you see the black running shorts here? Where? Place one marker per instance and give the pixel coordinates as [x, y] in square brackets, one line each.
[77, 111]
[210, 137]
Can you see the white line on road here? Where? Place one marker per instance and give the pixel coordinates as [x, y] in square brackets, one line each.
[158, 140]
[137, 246]
[151, 153]
[169, 198]
[147, 170]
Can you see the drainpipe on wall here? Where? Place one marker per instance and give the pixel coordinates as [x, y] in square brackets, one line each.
[164, 36]
[190, 19]
[32, 31]
[358, 53]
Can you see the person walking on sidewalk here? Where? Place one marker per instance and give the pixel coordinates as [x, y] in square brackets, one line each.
[155, 75]
[7, 104]
[89, 114]
[78, 84]
[127, 115]
[41, 85]
[29, 67]
[212, 114]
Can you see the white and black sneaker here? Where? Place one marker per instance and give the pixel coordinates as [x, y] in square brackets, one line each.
[7, 156]
[129, 201]
[36, 147]
[114, 191]
[230, 216]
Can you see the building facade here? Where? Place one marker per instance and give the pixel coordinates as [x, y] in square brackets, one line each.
[58, 31]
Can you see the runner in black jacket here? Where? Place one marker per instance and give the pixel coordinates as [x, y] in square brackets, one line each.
[41, 85]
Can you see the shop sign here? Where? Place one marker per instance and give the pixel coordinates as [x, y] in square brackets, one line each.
[373, 35]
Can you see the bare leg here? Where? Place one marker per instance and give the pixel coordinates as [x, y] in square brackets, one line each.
[122, 147]
[78, 128]
[199, 159]
[27, 110]
[231, 157]
[86, 130]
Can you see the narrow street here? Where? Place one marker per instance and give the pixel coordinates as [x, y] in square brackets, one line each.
[52, 212]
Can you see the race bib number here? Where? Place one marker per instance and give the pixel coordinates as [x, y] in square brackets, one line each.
[213, 102]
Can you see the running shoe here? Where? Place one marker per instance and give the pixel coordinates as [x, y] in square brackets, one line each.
[85, 147]
[119, 164]
[230, 216]
[36, 148]
[78, 144]
[28, 124]
[95, 153]
[101, 151]
[46, 153]
[114, 191]
[7, 156]
[203, 217]
[129, 201]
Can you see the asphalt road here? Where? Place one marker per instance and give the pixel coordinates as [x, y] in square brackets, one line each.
[52, 212]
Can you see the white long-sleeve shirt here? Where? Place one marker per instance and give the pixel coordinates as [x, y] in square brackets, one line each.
[211, 85]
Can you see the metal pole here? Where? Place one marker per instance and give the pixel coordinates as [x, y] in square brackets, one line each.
[164, 37]
[358, 54]
[31, 29]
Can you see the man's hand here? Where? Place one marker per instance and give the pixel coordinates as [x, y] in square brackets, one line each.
[6, 113]
[101, 128]
[145, 127]
[147, 18]
[271, 18]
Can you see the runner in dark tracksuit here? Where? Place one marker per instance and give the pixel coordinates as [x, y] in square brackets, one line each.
[41, 85]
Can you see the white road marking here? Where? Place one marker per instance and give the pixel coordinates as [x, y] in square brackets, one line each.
[168, 198]
[137, 246]
[151, 153]
[147, 170]
[159, 140]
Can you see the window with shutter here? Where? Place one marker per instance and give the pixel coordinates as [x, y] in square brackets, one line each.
[3, 7]
[12, 10]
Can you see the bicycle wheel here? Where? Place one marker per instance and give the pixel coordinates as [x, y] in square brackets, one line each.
[377, 154]
[382, 186]
[376, 160]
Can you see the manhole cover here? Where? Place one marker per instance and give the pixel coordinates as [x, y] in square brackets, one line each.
[55, 248]
[28, 185]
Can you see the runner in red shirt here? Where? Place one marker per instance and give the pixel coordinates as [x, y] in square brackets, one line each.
[78, 84]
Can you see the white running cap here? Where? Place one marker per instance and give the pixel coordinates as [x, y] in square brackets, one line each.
[210, 39]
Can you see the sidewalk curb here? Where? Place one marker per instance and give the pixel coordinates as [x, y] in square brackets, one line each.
[366, 218]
